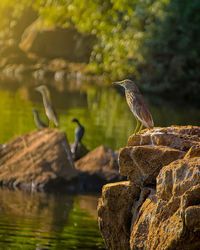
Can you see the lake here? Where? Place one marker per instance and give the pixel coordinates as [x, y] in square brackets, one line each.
[48, 221]
[65, 221]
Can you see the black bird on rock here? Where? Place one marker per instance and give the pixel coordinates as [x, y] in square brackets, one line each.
[40, 124]
[79, 132]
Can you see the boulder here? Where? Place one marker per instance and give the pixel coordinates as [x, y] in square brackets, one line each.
[164, 215]
[141, 164]
[39, 160]
[114, 211]
[55, 42]
[100, 163]
[171, 216]
[97, 168]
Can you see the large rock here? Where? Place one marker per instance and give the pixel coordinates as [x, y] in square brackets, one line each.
[171, 217]
[99, 167]
[148, 152]
[40, 159]
[54, 42]
[165, 215]
[114, 211]
[141, 164]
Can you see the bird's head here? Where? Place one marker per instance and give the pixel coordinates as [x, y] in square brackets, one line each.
[44, 91]
[75, 120]
[128, 84]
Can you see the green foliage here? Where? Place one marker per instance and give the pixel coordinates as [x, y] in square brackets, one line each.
[173, 51]
[156, 41]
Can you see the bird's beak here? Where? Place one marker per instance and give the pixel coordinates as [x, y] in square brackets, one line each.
[117, 83]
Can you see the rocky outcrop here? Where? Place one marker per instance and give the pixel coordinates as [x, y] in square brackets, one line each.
[141, 164]
[164, 165]
[114, 210]
[98, 167]
[39, 160]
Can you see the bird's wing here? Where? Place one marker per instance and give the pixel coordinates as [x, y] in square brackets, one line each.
[51, 113]
[142, 112]
[139, 108]
[79, 133]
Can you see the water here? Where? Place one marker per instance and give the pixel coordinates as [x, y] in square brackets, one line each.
[101, 109]
[48, 221]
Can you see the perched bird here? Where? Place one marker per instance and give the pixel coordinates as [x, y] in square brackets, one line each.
[137, 104]
[50, 112]
[79, 132]
[40, 124]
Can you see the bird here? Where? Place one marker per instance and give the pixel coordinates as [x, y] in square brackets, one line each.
[137, 105]
[79, 132]
[50, 112]
[40, 124]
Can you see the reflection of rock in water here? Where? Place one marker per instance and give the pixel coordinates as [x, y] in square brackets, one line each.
[47, 212]
[88, 203]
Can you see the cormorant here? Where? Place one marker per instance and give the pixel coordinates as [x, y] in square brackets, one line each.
[79, 132]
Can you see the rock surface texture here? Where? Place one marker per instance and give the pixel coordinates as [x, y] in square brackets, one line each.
[97, 168]
[40, 159]
[159, 207]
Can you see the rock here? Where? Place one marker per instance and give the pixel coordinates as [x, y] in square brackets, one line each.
[101, 163]
[178, 137]
[171, 216]
[65, 43]
[40, 159]
[141, 164]
[114, 211]
[81, 151]
[178, 177]
[164, 216]
[97, 168]
[194, 151]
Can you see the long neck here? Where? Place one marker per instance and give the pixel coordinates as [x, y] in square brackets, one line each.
[78, 123]
[45, 100]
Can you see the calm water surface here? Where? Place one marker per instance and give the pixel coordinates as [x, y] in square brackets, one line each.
[44, 221]
[48, 221]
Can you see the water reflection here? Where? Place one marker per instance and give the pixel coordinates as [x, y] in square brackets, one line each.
[47, 221]
[101, 109]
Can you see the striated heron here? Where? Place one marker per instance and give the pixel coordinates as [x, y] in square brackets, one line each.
[50, 112]
[137, 105]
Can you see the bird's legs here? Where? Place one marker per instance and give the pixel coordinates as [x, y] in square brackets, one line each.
[137, 126]
[141, 126]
